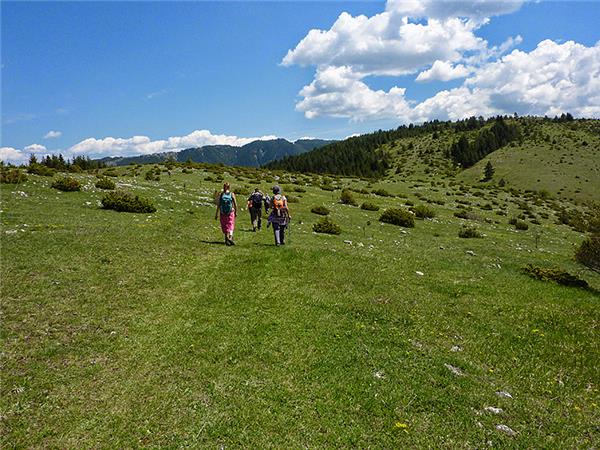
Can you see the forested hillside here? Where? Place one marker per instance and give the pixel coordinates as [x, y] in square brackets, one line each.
[254, 154]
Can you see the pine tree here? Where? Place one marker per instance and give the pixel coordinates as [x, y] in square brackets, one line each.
[489, 171]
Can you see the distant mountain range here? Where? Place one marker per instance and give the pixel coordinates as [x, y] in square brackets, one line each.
[254, 154]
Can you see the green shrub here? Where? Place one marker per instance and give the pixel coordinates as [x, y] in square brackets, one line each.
[151, 176]
[554, 274]
[347, 198]
[66, 184]
[466, 214]
[521, 225]
[110, 173]
[369, 206]
[292, 199]
[38, 169]
[243, 191]
[126, 202]
[327, 187]
[588, 253]
[469, 231]
[105, 183]
[13, 176]
[400, 217]
[382, 193]
[298, 189]
[423, 211]
[320, 210]
[325, 225]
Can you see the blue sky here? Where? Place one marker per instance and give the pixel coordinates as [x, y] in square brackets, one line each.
[75, 73]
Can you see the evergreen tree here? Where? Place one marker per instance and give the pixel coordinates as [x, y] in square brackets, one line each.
[488, 171]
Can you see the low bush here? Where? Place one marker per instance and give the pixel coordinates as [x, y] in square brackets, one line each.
[469, 231]
[423, 211]
[382, 193]
[151, 176]
[369, 206]
[588, 253]
[400, 217]
[466, 214]
[554, 274]
[521, 225]
[327, 187]
[105, 183]
[126, 202]
[12, 176]
[110, 173]
[325, 225]
[244, 191]
[347, 198]
[320, 210]
[292, 199]
[38, 169]
[66, 184]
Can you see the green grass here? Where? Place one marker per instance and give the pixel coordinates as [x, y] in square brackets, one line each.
[144, 330]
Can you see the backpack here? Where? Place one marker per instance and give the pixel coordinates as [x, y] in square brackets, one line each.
[256, 199]
[226, 203]
[279, 204]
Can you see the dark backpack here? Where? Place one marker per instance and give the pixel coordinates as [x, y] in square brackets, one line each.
[226, 203]
[256, 199]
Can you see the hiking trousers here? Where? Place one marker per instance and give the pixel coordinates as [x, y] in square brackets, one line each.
[256, 217]
[279, 232]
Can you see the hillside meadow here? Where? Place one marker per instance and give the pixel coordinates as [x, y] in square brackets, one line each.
[123, 330]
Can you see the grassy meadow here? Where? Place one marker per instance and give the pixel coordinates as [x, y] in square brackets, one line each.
[124, 330]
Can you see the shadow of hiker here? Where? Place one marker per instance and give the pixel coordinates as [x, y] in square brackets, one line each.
[212, 242]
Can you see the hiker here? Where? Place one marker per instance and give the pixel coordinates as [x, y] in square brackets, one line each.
[227, 208]
[255, 203]
[280, 215]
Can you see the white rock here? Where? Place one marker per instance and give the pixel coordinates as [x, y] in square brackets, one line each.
[505, 429]
[419, 273]
[455, 370]
[503, 394]
[456, 348]
[470, 253]
[360, 244]
[493, 409]
[348, 242]
[379, 375]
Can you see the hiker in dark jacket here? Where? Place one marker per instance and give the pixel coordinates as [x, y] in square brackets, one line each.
[280, 215]
[255, 203]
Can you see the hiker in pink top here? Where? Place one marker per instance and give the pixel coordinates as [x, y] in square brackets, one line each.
[227, 211]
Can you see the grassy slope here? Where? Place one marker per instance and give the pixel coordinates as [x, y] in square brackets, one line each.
[125, 330]
[553, 158]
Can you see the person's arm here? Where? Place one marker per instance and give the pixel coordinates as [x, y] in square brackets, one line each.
[285, 206]
[234, 204]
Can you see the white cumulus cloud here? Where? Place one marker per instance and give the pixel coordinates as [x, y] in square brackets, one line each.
[141, 145]
[440, 9]
[385, 44]
[444, 71]
[13, 156]
[53, 134]
[551, 79]
[35, 148]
